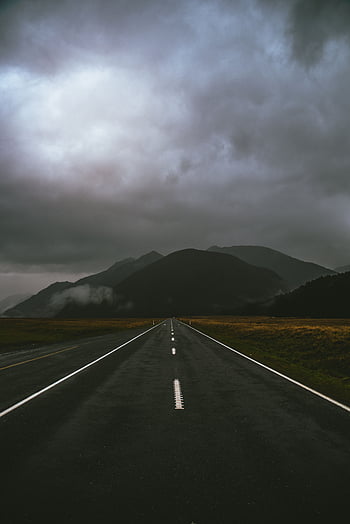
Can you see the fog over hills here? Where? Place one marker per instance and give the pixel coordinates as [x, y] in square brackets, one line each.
[94, 288]
[294, 271]
[38, 305]
[187, 282]
[135, 125]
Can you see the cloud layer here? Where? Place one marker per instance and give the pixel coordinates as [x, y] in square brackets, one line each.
[131, 126]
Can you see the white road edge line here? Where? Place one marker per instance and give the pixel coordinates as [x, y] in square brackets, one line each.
[179, 404]
[50, 386]
[331, 400]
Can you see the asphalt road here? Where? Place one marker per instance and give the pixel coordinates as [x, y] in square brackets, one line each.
[107, 444]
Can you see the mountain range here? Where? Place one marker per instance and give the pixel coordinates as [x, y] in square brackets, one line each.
[47, 302]
[342, 269]
[187, 282]
[295, 272]
[218, 280]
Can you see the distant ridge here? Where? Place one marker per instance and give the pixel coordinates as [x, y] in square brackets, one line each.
[12, 301]
[219, 280]
[188, 282]
[294, 271]
[324, 297]
[37, 305]
[119, 271]
[42, 304]
[342, 269]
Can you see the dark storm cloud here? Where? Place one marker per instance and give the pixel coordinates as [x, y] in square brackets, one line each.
[130, 126]
[315, 23]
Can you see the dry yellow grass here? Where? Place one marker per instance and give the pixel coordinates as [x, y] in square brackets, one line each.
[313, 351]
[23, 332]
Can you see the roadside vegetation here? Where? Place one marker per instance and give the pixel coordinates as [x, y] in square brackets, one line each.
[23, 332]
[315, 352]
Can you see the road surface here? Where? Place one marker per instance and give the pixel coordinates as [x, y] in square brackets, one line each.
[170, 428]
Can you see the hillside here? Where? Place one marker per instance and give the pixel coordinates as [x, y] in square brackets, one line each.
[38, 305]
[12, 301]
[119, 271]
[92, 289]
[188, 282]
[324, 297]
[342, 269]
[294, 271]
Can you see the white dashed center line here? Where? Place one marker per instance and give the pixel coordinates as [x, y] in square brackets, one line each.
[172, 339]
[179, 401]
[173, 350]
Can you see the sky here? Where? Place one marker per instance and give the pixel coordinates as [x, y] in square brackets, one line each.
[135, 125]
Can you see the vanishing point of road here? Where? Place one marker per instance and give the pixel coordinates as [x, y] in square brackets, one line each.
[165, 426]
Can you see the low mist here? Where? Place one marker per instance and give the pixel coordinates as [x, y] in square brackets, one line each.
[82, 296]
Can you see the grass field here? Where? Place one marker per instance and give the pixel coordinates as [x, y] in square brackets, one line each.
[315, 352]
[23, 332]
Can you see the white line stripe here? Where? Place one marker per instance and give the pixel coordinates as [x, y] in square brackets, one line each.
[179, 404]
[47, 388]
[331, 400]
[37, 358]
[173, 350]
[172, 339]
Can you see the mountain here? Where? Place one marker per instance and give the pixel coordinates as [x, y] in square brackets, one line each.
[342, 269]
[37, 305]
[88, 289]
[188, 282]
[294, 271]
[119, 271]
[324, 297]
[12, 301]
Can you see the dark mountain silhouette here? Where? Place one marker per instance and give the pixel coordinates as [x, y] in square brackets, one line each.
[119, 271]
[38, 305]
[219, 280]
[12, 301]
[324, 297]
[47, 301]
[342, 269]
[188, 282]
[294, 271]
